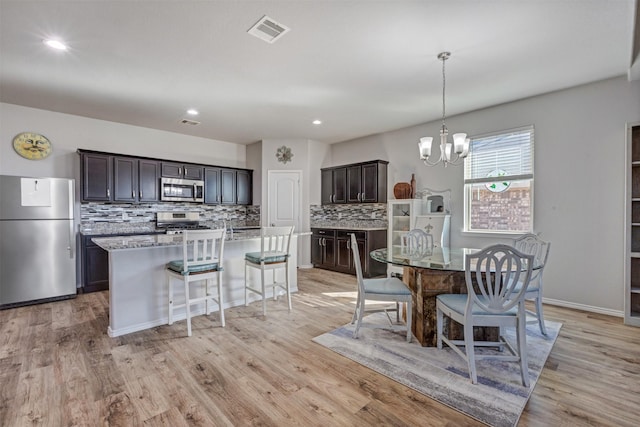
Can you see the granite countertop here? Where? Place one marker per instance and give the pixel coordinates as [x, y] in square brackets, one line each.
[156, 240]
[350, 227]
[120, 229]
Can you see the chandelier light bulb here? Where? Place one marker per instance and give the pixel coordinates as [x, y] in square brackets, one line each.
[425, 146]
[458, 142]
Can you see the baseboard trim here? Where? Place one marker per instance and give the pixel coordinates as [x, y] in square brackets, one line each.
[305, 266]
[583, 307]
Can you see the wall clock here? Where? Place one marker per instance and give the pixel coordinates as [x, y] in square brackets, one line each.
[284, 154]
[32, 146]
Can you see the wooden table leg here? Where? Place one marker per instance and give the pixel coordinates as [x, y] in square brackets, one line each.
[426, 285]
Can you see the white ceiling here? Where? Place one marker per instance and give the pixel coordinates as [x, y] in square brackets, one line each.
[362, 67]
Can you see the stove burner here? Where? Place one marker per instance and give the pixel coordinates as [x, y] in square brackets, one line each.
[177, 222]
[180, 228]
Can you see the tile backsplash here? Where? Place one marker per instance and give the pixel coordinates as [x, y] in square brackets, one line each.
[94, 215]
[361, 214]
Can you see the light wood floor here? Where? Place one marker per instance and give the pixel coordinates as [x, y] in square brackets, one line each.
[58, 367]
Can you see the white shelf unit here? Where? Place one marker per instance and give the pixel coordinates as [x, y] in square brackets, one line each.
[402, 217]
[407, 214]
[632, 229]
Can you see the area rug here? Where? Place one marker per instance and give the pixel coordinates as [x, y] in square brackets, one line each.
[497, 400]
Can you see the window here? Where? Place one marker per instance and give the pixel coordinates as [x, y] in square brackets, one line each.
[498, 182]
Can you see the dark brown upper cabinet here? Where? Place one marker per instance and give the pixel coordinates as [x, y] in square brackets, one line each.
[212, 186]
[355, 183]
[97, 177]
[109, 177]
[334, 185]
[125, 179]
[184, 171]
[227, 186]
[148, 180]
[244, 189]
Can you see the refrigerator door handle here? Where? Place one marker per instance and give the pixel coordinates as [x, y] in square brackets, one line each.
[71, 240]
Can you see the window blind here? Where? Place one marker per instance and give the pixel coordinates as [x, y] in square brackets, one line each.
[508, 155]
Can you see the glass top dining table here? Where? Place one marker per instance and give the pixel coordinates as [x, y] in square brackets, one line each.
[441, 258]
[428, 275]
[445, 258]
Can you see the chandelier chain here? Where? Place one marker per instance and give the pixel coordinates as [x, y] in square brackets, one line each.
[444, 58]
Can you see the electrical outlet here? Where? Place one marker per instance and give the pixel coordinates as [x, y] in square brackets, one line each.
[125, 216]
[373, 215]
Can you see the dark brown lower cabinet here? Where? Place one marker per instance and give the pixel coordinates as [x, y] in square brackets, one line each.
[95, 266]
[330, 250]
[323, 248]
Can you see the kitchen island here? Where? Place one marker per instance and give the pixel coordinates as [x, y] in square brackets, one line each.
[138, 295]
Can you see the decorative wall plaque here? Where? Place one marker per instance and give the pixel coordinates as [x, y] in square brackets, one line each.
[284, 154]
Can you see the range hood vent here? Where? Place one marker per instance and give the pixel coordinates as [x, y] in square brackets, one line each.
[268, 30]
[189, 122]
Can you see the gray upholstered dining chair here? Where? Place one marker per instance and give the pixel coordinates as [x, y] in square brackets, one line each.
[496, 270]
[533, 245]
[389, 289]
[202, 254]
[274, 255]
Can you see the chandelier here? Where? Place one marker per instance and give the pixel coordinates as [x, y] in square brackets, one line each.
[460, 146]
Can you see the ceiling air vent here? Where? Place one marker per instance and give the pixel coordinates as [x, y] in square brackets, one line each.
[189, 122]
[268, 30]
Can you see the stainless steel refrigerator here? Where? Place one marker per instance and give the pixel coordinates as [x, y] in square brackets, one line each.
[37, 240]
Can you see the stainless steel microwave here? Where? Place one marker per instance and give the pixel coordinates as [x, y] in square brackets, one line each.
[181, 190]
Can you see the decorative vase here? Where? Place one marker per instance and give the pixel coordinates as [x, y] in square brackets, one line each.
[413, 186]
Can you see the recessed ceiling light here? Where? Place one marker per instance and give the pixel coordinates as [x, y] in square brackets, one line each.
[317, 122]
[55, 44]
[192, 112]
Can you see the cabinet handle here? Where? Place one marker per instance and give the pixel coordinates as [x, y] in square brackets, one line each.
[141, 194]
[186, 172]
[359, 198]
[133, 194]
[179, 171]
[108, 193]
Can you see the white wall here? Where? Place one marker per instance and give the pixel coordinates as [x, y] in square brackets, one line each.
[580, 137]
[319, 157]
[68, 133]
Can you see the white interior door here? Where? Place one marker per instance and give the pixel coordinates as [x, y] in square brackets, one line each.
[283, 198]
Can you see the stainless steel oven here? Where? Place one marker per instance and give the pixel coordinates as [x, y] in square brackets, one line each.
[181, 190]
